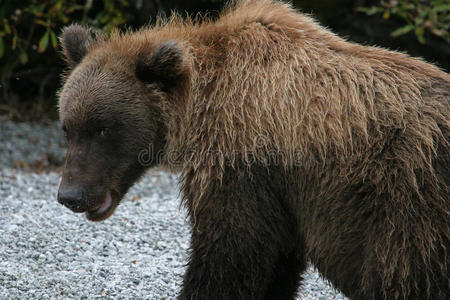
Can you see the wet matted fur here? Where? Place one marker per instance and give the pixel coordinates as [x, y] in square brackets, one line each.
[292, 142]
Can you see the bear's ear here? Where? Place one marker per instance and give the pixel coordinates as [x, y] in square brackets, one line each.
[165, 65]
[75, 40]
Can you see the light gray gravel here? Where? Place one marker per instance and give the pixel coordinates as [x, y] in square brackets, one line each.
[30, 145]
[48, 252]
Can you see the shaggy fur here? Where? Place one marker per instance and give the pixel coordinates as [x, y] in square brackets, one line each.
[292, 143]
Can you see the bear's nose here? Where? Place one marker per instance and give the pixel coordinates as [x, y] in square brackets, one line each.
[72, 198]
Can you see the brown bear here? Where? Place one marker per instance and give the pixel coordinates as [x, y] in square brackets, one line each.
[293, 145]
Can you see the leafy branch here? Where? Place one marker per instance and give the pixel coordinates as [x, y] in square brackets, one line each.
[420, 16]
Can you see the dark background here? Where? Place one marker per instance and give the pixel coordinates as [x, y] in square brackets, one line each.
[31, 62]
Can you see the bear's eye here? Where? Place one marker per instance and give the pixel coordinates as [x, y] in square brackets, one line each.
[64, 128]
[103, 132]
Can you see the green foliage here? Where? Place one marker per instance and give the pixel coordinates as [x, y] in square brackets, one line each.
[32, 25]
[419, 16]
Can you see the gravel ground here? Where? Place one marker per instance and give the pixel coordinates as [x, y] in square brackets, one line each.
[48, 252]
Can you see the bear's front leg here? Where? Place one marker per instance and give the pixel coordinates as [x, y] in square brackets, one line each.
[244, 241]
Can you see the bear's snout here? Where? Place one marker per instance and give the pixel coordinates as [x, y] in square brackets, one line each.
[73, 198]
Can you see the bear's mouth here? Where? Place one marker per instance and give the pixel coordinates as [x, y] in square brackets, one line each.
[105, 208]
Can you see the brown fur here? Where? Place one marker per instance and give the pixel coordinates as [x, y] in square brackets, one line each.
[346, 89]
[366, 129]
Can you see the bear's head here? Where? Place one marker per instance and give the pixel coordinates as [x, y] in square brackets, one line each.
[112, 110]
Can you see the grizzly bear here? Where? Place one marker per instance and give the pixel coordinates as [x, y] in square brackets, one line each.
[293, 145]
